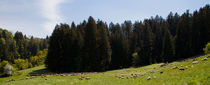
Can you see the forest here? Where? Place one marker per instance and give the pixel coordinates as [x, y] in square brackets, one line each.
[21, 51]
[98, 46]
[95, 46]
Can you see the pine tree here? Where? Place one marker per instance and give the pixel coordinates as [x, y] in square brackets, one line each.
[91, 60]
[173, 20]
[127, 28]
[145, 52]
[183, 36]
[104, 45]
[120, 49]
[168, 49]
[58, 49]
[20, 43]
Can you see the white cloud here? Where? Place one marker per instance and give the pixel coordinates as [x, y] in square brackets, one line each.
[50, 9]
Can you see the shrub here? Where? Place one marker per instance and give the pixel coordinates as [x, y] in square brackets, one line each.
[8, 70]
[135, 59]
[21, 64]
[207, 48]
[2, 65]
[33, 60]
[30, 65]
[39, 59]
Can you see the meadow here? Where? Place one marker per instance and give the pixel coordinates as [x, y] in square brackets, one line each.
[176, 73]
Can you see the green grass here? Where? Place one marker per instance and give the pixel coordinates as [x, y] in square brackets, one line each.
[196, 74]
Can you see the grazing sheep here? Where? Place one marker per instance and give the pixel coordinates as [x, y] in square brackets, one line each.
[194, 59]
[186, 67]
[195, 62]
[163, 64]
[181, 69]
[27, 78]
[204, 59]
[161, 72]
[87, 78]
[149, 78]
[175, 67]
[81, 78]
[122, 75]
[134, 76]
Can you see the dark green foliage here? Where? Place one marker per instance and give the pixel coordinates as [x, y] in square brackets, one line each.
[127, 28]
[18, 46]
[20, 43]
[145, 52]
[82, 48]
[91, 51]
[173, 20]
[57, 53]
[168, 49]
[183, 36]
[200, 29]
[8, 46]
[119, 45]
[104, 45]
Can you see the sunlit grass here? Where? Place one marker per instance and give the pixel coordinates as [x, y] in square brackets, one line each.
[196, 74]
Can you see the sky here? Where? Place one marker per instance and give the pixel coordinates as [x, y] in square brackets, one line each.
[38, 17]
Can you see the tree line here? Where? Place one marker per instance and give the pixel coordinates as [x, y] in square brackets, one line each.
[19, 45]
[95, 46]
[21, 51]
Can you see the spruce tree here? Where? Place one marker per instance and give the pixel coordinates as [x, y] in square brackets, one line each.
[168, 49]
[91, 59]
[104, 45]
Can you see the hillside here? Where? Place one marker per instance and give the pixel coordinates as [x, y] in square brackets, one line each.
[186, 73]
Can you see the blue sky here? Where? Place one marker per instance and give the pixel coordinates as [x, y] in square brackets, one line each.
[38, 17]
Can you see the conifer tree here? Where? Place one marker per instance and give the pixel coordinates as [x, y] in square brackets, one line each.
[104, 45]
[168, 49]
[91, 58]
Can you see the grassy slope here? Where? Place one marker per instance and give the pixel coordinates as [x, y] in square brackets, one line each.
[198, 74]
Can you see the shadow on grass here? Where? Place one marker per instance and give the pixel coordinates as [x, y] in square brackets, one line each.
[40, 72]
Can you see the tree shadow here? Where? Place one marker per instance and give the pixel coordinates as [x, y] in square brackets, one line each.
[39, 72]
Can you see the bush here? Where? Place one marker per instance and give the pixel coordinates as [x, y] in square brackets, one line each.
[34, 60]
[8, 70]
[207, 48]
[2, 65]
[39, 59]
[135, 59]
[21, 64]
